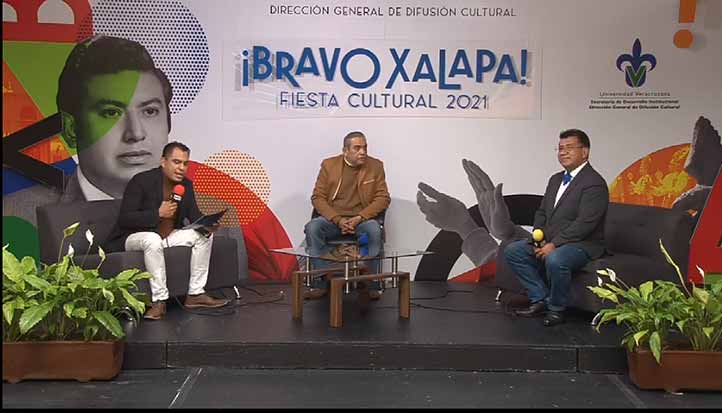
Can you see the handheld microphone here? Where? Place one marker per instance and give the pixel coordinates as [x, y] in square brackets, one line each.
[538, 238]
[177, 194]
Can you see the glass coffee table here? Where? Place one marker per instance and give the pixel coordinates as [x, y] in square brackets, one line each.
[348, 271]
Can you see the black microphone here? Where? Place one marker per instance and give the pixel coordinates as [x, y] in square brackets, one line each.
[177, 194]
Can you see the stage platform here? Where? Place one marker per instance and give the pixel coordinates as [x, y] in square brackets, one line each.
[453, 326]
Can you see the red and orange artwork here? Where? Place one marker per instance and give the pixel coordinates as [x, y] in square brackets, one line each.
[238, 182]
[654, 180]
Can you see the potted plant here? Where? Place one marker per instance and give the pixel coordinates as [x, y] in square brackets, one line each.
[61, 321]
[673, 331]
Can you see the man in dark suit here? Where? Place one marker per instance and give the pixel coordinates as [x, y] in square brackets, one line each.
[571, 217]
[149, 221]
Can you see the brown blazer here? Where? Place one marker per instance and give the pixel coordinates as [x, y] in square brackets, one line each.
[371, 185]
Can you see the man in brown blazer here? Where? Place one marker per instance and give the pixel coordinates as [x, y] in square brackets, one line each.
[350, 192]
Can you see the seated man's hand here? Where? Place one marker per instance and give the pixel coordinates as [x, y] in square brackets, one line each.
[343, 224]
[348, 224]
[167, 209]
[443, 211]
[541, 253]
[353, 222]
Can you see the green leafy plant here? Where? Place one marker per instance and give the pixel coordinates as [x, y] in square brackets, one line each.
[62, 301]
[658, 308]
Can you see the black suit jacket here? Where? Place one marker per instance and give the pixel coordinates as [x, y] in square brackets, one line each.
[578, 218]
[139, 209]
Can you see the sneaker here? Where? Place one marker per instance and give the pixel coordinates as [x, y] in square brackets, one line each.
[314, 293]
[156, 311]
[204, 301]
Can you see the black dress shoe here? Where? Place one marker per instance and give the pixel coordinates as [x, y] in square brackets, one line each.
[553, 318]
[535, 309]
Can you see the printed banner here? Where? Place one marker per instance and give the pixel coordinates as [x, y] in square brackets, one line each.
[272, 78]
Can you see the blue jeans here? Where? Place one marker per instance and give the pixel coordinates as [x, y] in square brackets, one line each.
[320, 230]
[556, 269]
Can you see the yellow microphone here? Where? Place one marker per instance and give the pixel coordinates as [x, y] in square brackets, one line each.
[538, 236]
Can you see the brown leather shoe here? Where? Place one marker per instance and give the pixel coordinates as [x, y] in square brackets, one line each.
[374, 295]
[204, 301]
[314, 293]
[156, 311]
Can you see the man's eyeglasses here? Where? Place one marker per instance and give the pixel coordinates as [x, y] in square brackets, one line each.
[566, 149]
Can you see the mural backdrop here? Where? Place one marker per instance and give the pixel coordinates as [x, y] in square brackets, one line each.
[262, 91]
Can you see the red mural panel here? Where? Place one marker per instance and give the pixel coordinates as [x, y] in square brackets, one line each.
[27, 27]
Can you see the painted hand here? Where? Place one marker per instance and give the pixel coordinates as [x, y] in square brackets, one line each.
[491, 203]
[444, 212]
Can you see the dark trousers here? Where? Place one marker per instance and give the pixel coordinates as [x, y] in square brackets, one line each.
[549, 279]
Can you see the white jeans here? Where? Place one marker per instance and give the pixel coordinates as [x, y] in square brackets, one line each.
[152, 246]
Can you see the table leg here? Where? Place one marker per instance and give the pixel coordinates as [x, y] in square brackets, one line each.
[308, 269]
[404, 297]
[297, 299]
[394, 269]
[345, 276]
[336, 310]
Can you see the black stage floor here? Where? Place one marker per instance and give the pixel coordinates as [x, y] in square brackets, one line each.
[453, 326]
[459, 349]
[214, 387]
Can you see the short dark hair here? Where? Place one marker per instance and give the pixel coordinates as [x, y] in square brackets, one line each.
[351, 135]
[581, 136]
[168, 148]
[100, 55]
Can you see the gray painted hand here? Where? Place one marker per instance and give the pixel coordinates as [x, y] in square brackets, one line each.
[694, 199]
[492, 207]
[444, 212]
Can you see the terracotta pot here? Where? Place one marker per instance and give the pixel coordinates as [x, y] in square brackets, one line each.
[691, 370]
[79, 360]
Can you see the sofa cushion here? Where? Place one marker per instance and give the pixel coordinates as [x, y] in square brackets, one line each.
[636, 229]
[98, 216]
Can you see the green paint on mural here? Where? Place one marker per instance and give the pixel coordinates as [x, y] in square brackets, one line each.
[712, 278]
[106, 102]
[37, 65]
[22, 237]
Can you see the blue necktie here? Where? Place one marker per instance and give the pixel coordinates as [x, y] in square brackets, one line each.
[567, 178]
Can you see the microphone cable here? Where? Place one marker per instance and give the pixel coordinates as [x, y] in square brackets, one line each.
[234, 303]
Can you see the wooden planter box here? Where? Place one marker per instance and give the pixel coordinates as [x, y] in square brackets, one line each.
[691, 370]
[57, 360]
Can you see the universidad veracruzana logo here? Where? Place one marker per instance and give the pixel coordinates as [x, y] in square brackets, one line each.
[634, 67]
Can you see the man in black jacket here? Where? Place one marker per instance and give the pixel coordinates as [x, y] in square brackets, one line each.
[150, 220]
[571, 217]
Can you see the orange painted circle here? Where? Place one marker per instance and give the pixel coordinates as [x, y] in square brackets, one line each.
[683, 39]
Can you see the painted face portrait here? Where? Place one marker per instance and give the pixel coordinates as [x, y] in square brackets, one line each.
[120, 128]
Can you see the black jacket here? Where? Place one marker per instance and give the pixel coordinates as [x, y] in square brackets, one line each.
[139, 208]
[578, 217]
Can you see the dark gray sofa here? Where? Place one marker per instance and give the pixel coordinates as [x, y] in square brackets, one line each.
[228, 264]
[631, 234]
